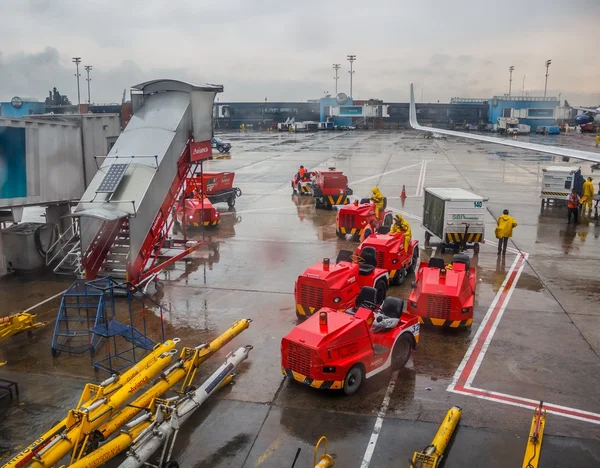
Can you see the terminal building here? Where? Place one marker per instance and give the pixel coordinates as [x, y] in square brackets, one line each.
[345, 112]
[530, 110]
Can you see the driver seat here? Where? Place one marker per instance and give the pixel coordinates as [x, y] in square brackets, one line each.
[369, 254]
[464, 259]
[392, 307]
[366, 294]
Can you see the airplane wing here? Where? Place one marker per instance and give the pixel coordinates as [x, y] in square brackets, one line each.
[555, 150]
[587, 109]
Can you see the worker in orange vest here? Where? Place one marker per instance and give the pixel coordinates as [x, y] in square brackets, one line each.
[302, 172]
[573, 206]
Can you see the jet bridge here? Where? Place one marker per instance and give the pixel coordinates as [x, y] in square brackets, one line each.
[126, 211]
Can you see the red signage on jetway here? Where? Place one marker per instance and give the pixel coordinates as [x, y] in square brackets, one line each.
[200, 150]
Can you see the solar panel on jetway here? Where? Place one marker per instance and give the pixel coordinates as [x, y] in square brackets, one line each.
[112, 178]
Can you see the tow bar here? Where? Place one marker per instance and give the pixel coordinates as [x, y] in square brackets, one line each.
[536, 434]
[431, 456]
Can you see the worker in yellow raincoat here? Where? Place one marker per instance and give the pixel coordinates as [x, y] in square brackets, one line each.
[588, 195]
[377, 198]
[506, 224]
[401, 226]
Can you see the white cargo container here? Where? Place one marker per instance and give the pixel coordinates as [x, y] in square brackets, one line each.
[455, 216]
[557, 182]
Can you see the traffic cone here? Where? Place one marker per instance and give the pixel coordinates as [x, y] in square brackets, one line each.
[403, 194]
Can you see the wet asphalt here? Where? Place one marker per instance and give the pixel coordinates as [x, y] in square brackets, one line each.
[546, 346]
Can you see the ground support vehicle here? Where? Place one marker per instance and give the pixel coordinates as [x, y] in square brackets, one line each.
[358, 219]
[443, 295]
[391, 255]
[330, 188]
[455, 216]
[508, 125]
[216, 186]
[337, 285]
[557, 183]
[220, 145]
[198, 212]
[303, 186]
[333, 350]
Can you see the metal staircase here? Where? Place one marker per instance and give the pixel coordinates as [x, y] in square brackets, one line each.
[127, 211]
[115, 261]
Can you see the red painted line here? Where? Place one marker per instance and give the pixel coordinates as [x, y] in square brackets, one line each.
[462, 379]
[525, 402]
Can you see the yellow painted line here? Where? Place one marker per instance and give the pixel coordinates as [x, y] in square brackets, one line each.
[269, 452]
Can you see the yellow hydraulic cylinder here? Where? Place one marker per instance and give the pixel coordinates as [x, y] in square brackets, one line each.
[534, 441]
[120, 443]
[83, 421]
[25, 457]
[18, 323]
[190, 359]
[431, 456]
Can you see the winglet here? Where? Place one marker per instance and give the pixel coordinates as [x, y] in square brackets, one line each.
[412, 110]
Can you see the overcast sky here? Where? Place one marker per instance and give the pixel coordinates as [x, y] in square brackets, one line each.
[284, 50]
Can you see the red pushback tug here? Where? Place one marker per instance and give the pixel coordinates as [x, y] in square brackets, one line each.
[304, 185]
[391, 255]
[330, 188]
[443, 295]
[198, 213]
[358, 219]
[337, 285]
[333, 350]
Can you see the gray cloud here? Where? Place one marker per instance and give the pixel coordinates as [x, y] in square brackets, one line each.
[284, 50]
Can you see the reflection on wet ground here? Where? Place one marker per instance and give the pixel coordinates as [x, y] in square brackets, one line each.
[546, 346]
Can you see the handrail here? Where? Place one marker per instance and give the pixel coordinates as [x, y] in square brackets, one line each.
[74, 234]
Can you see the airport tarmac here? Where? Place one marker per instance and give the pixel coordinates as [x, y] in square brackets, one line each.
[535, 335]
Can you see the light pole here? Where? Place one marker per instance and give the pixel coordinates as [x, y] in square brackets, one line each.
[351, 59]
[88, 79]
[548, 62]
[336, 67]
[77, 61]
[510, 69]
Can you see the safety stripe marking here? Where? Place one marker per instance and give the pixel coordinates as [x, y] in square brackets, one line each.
[445, 323]
[323, 384]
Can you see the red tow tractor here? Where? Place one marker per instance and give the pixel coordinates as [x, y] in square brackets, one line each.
[330, 188]
[333, 350]
[337, 285]
[197, 212]
[304, 185]
[358, 219]
[391, 255]
[443, 295]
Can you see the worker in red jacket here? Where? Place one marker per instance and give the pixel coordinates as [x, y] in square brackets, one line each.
[573, 207]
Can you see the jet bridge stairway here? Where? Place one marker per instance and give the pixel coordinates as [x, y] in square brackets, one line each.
[128, 210]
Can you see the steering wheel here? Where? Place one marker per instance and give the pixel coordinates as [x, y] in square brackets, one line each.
[368, 305]
[357, 259]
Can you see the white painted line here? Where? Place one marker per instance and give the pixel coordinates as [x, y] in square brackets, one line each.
[419, 192]
[379, 422]
[44, 301]
[382, 174]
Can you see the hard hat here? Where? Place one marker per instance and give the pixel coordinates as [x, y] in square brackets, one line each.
[399, 218]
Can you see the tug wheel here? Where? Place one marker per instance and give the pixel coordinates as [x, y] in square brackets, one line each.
[231, 201]
[55, 352]
[353, 380]
[415, 260]
[171, 464]
[388, 220]
[476, 249]
[427, 238]
[340, 235]
[401, 352]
